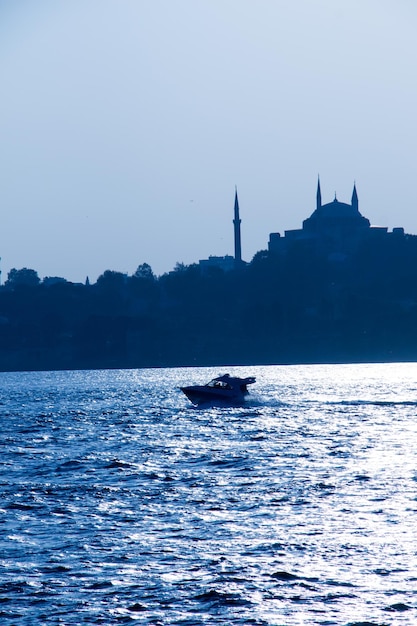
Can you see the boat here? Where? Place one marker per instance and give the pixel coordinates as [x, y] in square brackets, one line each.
[224, 388]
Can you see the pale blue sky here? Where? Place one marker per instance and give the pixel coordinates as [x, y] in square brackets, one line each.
[126, 124]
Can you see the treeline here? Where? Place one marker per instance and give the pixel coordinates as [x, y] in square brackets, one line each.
[301, 306]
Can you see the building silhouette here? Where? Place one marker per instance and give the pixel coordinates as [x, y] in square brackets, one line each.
[333, 228]
[228, 262]
[236, 224]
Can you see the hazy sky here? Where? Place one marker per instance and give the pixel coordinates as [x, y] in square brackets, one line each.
[126, 124]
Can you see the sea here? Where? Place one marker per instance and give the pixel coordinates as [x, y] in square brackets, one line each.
[122, 503]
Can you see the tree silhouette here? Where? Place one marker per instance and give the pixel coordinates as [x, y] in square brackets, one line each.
[24, 277]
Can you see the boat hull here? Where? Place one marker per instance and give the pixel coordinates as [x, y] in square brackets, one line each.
[204, 395]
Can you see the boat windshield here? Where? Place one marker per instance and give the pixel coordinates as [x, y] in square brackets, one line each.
[219, 384]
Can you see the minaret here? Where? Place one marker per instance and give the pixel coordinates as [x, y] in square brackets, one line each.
[355, 201]
[236, 222]
[318, 195]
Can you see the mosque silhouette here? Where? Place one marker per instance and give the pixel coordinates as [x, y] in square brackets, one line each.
[335, 228]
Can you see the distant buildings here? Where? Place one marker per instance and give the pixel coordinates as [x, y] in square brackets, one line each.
[225, 263]
[333, 228]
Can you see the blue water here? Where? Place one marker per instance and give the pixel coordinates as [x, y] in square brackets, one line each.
[122, 503]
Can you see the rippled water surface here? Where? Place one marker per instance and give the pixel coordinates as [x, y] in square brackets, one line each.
[123, 503]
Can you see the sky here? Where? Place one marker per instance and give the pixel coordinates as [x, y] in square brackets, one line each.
[125, 125]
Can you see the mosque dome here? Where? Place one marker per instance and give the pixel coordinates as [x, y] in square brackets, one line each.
[338, 209]
[336, 215]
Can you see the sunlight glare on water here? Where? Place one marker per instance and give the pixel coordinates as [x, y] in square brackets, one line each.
[122, 502]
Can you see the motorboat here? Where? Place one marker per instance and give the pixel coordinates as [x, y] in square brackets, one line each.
[225, 388]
